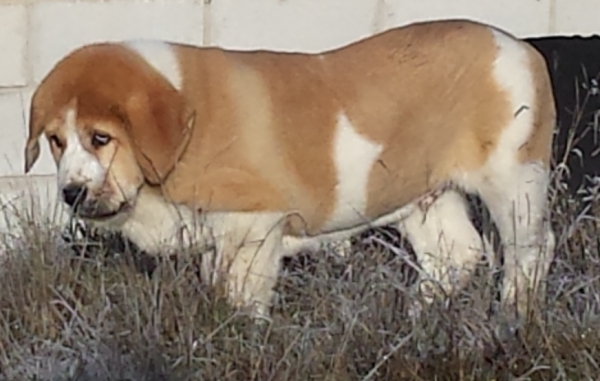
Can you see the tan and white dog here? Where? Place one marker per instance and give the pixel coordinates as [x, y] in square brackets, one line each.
[282, 151]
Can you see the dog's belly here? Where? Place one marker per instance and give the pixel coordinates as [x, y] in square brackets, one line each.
[292, 244]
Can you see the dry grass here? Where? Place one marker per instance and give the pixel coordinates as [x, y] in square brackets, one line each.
[77, 309]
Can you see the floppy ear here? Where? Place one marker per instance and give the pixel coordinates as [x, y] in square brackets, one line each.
[160, 128]
[36, 127]
[32, 152]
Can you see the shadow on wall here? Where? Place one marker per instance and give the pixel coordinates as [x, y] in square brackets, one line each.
[574, 64]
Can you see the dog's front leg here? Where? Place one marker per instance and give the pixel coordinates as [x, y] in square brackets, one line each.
[247, 258]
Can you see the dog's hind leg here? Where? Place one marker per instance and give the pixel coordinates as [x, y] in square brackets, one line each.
[517, 202]
[514, 181]
[447, 245]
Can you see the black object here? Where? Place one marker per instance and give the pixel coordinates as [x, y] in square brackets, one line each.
[574, 64]
[74, 193]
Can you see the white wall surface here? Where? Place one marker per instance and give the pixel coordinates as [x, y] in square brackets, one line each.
[34, 34]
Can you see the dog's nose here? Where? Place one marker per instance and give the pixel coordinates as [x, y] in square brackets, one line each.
[74, 194]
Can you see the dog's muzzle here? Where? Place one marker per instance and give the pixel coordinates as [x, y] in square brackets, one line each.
[76, 197]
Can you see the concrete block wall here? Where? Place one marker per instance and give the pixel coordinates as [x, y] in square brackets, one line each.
[35, 34]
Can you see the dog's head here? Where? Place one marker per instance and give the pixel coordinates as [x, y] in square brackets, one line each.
[113, 123]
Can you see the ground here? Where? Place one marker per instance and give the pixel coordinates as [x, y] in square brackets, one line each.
[80, 307]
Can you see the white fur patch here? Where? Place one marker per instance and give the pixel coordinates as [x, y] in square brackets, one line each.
[513, 73]
[156, 225]
[162, 57]
[77, 165]
[354, 156]
[446, 243]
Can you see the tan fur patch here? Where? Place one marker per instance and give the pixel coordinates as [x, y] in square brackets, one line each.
[539, 144]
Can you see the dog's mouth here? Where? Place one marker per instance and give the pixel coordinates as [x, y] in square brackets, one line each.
[100, 212]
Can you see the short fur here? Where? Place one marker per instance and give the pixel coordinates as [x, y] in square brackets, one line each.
[291, 149]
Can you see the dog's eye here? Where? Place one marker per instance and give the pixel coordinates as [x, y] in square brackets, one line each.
[100, 139]
[56, 141]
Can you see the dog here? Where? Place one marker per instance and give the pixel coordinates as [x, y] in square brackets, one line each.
[260, 154]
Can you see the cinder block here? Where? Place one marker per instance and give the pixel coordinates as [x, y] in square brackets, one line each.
[13, 45]
[523, 18]
[292, 25]
[576, 18]
[14, 114]
[59, 27]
